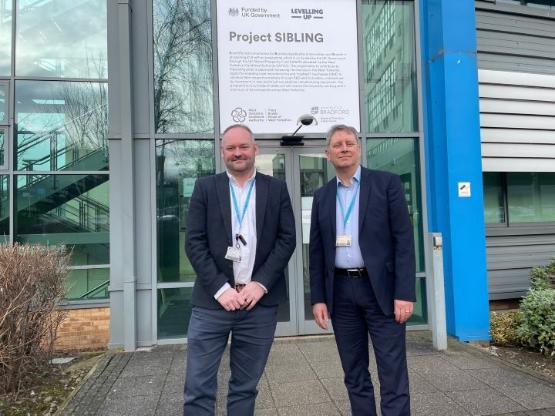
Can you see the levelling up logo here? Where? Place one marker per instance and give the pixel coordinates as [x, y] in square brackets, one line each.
[307, 14]
[233, 11]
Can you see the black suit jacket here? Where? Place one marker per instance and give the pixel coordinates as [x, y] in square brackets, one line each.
[385, 239]
[209, 236]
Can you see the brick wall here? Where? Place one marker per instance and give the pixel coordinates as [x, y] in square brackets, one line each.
[84, 330]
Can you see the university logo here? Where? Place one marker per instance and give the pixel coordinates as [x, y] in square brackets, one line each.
[238, 115]
[233, 11]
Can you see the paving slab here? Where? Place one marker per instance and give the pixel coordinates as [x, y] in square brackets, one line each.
[304, 377]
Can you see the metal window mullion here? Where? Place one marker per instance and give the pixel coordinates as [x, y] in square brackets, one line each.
[361, 82]
[90, 267]
[215, 85]
[153, 183]
[60, 172]
[174, 285]
[65, 79]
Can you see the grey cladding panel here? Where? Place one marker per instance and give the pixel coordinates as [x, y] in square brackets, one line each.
[510, 23]
[510, 259]
[515, 42]
[515, 63]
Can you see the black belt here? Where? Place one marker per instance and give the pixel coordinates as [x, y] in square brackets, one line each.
[354, 273]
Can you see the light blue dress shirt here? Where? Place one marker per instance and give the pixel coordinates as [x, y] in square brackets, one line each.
[348, 257]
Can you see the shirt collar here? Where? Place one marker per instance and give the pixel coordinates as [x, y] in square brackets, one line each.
[356, 177]
[234, 181]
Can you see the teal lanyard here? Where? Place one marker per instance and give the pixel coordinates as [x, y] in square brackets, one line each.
[240, 214]
[347, 215]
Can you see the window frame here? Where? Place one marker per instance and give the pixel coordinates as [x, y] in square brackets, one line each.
[515, 228]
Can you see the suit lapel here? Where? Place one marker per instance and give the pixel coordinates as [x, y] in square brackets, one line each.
[261, 200]
[222, 185]
[331, 194]
[365, 190]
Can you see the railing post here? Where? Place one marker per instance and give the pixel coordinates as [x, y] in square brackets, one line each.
[436, 292]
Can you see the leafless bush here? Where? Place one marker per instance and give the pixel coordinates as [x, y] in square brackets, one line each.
[31, 285]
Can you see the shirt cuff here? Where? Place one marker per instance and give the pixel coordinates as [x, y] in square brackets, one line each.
[222, 290]
[262, 286]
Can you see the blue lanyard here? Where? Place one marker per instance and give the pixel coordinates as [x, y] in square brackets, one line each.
[241, 215]
[347, 215]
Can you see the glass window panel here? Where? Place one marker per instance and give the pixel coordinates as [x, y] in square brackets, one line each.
[87, 284]
[494, 211]
[390, 98]
[174, 312]
[3, 138]
[3, 102]
[401, 156]
[61, 126]
[5, 37]
[65, 209]
[420, 312]
[182, 67]
[274, 165]
[178, 164]
[531, 197]
[62, 38]
[4, 209]
[314, 171]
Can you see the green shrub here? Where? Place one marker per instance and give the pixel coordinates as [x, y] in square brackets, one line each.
[537, 327]
[503, 326]
[543, 277]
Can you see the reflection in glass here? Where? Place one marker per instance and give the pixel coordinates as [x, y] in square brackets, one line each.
[61, 126]
[4, 209]
[3, 103]
[315, 172]
[390, 69]
[5, 37]
[531, 197]
[65, 209]
[174, 312]
[182, 67]
[62, 38]
[178, 164]
[494, 211]
[274, 165]
[420, 313]
[3, 138]
[87, 284]
[400, 156]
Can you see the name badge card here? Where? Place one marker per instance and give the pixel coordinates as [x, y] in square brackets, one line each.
[343, 241]
[233, 254]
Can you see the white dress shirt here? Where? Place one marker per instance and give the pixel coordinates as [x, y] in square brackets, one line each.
[242, 271]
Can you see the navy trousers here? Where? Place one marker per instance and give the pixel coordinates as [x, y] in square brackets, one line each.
[356, 314]
[252, 334]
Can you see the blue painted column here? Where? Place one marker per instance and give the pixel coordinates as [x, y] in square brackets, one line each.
[453, 155]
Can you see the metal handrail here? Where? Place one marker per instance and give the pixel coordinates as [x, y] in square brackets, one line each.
[100, 286]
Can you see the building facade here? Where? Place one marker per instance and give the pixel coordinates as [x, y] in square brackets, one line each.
[111, 110]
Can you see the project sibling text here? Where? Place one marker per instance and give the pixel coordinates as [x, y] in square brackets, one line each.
[285, 37]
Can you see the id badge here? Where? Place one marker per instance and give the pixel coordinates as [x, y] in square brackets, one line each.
[233, 254]
[343, 241]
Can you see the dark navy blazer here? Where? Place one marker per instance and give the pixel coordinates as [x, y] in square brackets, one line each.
[209, 236]
[385, 239]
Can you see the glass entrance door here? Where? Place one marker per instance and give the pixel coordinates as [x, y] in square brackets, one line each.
[304, 169]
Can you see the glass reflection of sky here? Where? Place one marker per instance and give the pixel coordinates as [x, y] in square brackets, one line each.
[62, 38]
[5, 37]
[59, 123]
[3, 102]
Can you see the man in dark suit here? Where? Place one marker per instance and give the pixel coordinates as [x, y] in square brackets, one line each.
[240, 236]
[362, 272]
